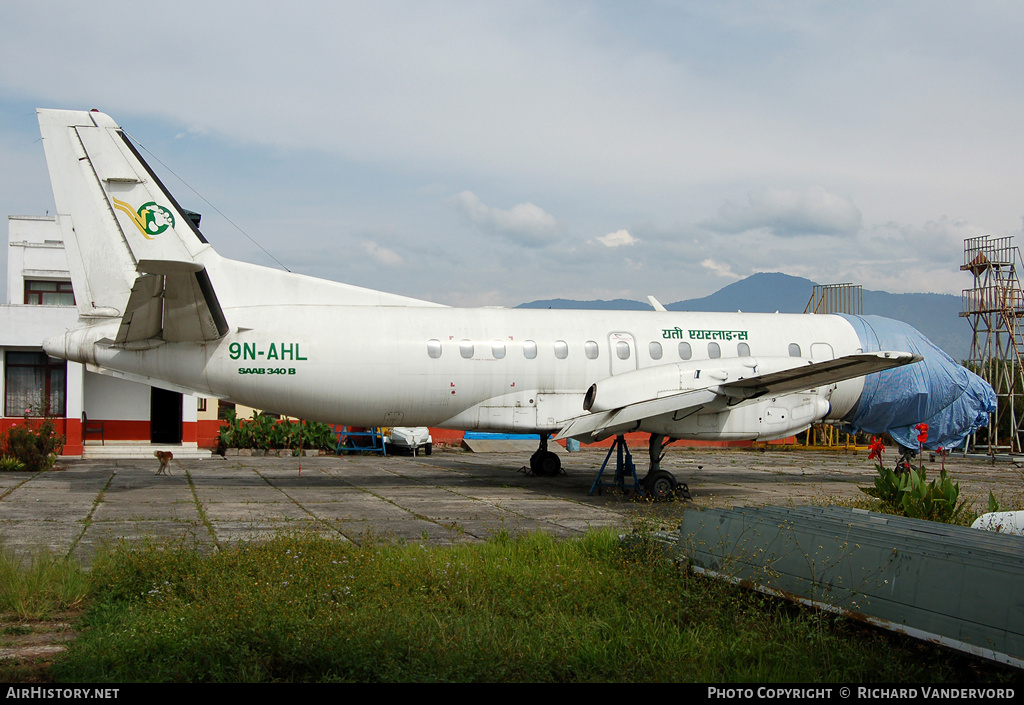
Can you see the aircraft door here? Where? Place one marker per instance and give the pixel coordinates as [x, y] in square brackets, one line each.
[622, 352]
[820, 352]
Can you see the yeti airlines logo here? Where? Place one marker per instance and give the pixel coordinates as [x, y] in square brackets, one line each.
[151, 219]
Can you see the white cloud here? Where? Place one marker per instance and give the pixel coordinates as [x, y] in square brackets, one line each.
[524, 223]
[719, 269]
[617, 239]
[812, 211]
[381, 255]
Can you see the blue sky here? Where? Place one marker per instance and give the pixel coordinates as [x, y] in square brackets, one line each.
[479, 153]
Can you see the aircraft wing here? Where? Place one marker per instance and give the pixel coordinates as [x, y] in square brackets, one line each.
[815, 374]
[173, 301]
[595, 426]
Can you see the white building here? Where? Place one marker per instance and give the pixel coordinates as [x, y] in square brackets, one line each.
[89, 408]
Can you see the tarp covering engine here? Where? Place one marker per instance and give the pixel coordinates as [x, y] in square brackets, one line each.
[951, 399]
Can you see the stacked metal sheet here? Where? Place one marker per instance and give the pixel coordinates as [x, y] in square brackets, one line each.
[953, 585]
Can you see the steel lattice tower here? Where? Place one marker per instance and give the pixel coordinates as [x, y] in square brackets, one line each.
[833, 298]
[994, 307]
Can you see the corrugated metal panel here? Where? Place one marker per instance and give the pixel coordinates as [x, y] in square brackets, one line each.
[950, 584]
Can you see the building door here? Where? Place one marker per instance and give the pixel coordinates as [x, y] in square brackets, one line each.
[164, 416]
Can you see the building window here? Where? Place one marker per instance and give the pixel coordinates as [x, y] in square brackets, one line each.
[35, 385]
[41, 293]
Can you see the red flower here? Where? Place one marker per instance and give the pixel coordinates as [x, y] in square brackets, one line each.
[922, 433]
[877, 448]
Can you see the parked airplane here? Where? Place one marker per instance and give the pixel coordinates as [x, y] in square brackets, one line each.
[158, 305]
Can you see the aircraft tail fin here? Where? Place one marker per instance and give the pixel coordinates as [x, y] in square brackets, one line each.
[132, 250]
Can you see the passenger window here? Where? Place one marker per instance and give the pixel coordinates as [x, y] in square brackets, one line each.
[466, 349]
[591, 349]
[498, 349]
[561, 349]
[685, 353]
[434, 348]
[655, 349]
[714, 351]
[794, 350]
[622, 350]
[743, 350]
[529, 349]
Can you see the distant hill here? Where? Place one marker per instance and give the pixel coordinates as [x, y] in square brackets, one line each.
[935, 315]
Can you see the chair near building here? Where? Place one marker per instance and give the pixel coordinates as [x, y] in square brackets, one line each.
[93, 427]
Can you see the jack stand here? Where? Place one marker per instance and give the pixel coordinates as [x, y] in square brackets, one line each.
[623, 465]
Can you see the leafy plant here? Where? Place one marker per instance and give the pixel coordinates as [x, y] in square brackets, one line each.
[907, 492]
[9, 463]
[34, 445]
[265, 432]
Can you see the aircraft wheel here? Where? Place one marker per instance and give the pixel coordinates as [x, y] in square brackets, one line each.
[545, 464]
[660, 484]
[428, 449]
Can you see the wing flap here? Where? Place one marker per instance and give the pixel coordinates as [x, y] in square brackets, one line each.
[594, 427]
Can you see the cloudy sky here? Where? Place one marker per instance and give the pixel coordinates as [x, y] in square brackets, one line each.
[496, 153]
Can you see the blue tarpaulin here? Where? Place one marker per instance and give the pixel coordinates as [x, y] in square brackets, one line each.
[951, 399]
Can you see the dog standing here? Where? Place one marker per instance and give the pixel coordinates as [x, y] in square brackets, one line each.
[165, 458]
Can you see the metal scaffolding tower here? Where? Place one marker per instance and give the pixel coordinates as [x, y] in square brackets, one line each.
[836, 298]
[994, 307]
[833, 298]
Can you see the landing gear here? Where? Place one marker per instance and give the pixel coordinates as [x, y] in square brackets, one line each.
[660, 484]
[543, 462]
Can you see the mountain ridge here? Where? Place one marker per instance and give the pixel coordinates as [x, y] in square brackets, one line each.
[937, 316]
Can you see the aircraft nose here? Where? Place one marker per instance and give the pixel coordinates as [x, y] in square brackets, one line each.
[951, 399]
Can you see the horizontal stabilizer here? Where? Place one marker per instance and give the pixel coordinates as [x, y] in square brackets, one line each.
[152, 382]
[173, 301]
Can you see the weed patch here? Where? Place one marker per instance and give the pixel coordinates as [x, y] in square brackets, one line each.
[516, 608]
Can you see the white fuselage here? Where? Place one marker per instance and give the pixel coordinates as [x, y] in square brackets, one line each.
[496, 369]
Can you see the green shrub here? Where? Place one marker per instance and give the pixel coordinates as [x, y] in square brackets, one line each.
[265, 432]
[34, 445]
[908, 493]
[9, 463]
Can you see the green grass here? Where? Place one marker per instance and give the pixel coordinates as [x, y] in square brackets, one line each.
[40, 585]
[516, 608]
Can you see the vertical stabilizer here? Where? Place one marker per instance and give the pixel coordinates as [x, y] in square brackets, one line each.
[113, 212]
[120, 225]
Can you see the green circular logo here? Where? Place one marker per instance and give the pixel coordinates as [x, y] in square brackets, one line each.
[156, 218]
